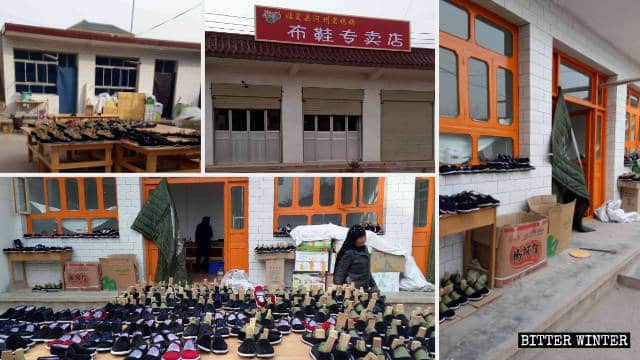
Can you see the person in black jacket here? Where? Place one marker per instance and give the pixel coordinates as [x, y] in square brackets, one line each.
[204, 233]
[353, 262]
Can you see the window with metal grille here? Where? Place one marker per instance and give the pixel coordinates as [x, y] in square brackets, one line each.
[116, 74]
[37, 71]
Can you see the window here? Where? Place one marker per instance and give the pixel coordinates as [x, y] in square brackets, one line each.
[67, 206]
[331, 137]
[116, 74]
[247, 136]
[478, 86]
[342, 201]
[37, 71]
[575, 82]
[632, 138]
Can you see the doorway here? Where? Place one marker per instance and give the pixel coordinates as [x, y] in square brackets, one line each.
[423, 206]
[586, 103]
[225, 201]
[164, 84]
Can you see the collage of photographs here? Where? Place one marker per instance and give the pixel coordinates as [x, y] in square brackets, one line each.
[335, 180]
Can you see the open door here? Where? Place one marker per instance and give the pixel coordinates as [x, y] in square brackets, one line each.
[236, 225]
[422, 221]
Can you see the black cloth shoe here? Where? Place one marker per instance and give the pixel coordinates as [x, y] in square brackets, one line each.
[218, 345]
[264, 349]
[247, 348]
[122, 346]
[15, 341]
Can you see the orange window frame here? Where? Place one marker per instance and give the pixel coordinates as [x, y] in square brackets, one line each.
[465, 49]
[629, 142]
[597, 78]
[336, 208]
[64, 213]
[422, 234]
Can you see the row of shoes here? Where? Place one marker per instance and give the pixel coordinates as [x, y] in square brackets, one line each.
[457, 290]
[18, 246]
[274, 248]
[465, 202]
[48, 287]
[98, 234]
[502, 163]
[630, 176]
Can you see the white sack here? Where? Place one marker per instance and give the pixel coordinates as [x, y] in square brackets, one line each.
[611, 211]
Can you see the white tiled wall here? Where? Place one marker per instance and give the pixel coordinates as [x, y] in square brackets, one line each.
[11, 228]
[90, 250]
[543, 26]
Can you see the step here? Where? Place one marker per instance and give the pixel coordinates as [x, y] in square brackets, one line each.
[631, 277]
[56, 300]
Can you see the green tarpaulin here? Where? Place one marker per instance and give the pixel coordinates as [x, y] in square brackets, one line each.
[568, 177]
[157, 221]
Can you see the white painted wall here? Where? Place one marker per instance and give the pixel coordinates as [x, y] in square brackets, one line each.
[86, 249]
[278, 74]
[11, 227]
[187, 78]
[193, 201]
[544, 25]
[398, 217]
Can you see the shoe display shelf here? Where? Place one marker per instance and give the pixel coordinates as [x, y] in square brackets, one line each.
[485, 218]
[630, 195]
[275, 267]
[25, 257]
[137, 158]
[50, 155]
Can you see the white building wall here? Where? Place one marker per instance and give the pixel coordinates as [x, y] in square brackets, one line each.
[187, 78]
[88, 249]
[543, 26]
[280, 74]
[11, 227]
[398, 217]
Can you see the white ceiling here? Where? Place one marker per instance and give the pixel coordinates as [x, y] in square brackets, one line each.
[615, 20]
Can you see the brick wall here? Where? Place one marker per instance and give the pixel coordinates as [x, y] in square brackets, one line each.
[543, 25]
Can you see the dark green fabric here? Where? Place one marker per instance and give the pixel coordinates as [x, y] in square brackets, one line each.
[568, 177]
[431, 270]
[157, 221]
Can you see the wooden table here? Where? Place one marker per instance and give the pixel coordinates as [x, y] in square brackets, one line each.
[291, 348]
[32, 256]
[130, 154]
[467, 222]
[56, 117]
[49, 155]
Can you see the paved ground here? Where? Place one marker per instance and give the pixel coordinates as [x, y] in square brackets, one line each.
[531, 303]
[13, 154]
[617, 312]
[56, 300]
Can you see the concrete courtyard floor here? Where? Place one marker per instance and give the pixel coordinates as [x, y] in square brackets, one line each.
[13, 154]
[555, 298]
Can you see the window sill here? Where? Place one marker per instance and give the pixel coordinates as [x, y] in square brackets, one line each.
[76, 236]
[488, 171]
[287, 236]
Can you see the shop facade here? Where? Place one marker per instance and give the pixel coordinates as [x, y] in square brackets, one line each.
[500, 69]
[245, 212]
[93, 63]
[289, 105]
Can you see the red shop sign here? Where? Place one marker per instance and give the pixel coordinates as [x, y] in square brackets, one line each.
[312, 28]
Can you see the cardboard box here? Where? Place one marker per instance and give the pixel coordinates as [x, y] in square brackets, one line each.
[383, 262]
[307, 280]
[82, 276]
[118, 272]
[131, 106]
[316, 245]
[387, 281]
[560, 221]
[521, 245]
[629, 191]
[312, 261]
[274, 275]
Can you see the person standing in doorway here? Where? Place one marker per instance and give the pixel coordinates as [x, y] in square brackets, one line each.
[204, 233]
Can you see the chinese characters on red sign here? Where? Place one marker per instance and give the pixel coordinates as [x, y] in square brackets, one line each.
[526, 253]
[311, 28]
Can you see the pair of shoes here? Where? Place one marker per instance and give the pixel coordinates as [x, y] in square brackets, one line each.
[261, 348]
[177, 351]
[151, 352]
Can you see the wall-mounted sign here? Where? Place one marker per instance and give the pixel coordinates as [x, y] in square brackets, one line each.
[313, 28]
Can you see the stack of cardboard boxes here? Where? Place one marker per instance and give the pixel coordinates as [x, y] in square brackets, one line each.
[115, 272]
